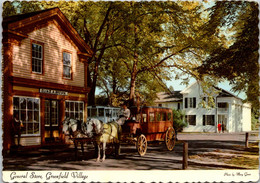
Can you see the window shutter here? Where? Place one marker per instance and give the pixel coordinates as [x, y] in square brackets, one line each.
[194, 102]
[204, 120]
[186, 102]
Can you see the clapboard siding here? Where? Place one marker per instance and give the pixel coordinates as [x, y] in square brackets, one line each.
[29, 141]
[54, 43]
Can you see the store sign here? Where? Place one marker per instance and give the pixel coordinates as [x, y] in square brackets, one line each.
[54, 92]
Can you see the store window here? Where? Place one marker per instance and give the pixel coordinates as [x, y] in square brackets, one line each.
[74, 110]
[67, 65]
[28, 111]
[37, 58]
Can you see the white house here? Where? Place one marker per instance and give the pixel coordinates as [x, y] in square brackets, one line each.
[229, 109]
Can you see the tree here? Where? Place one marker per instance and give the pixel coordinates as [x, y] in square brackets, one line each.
[238, 62]
[170, 39]
[145, 41]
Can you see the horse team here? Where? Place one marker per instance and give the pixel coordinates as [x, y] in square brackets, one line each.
[100, 133]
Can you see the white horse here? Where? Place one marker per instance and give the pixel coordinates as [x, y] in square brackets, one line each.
[75, 129]
[104, 133]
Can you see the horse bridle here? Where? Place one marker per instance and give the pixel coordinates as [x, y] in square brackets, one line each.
[94, 129]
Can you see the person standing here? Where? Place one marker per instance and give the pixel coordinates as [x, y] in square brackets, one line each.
[16, 128]
[219, 127]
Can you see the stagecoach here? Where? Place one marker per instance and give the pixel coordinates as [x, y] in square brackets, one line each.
[146, 124]
[149, 124]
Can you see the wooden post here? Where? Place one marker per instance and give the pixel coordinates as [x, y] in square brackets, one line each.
[246, 143]
[185, 156]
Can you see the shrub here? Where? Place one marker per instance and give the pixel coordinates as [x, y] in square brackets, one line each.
[178, 120]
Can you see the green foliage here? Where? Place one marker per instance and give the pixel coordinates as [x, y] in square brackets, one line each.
[178, 120]
[255, 121]
[238, 60]
[138, 45]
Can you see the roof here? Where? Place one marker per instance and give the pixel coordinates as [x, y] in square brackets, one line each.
[224, 93]
[26, 23]
[177, 96]
[174, 96]
[185, 90]
[19, 17]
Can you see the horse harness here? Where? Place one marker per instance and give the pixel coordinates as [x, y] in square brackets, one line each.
[103, 131]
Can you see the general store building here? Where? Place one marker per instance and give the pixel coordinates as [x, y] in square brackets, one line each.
[45, 76]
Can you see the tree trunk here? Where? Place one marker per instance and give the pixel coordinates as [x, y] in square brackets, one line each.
[91, 95]
[134, 71]
[132, 91]
[93, 84]
[133, 81]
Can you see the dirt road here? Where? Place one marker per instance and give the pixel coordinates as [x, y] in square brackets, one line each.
[206, 151]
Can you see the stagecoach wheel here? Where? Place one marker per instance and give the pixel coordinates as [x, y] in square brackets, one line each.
[170, 138]
[141, 145]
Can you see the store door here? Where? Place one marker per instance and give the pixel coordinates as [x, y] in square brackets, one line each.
[51, 119]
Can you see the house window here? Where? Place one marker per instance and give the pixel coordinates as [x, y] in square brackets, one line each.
[37, 58]
[190, 102]
[66, 65]
[191, 119]
[208, 120]
[74, 110]
[208, 99]
[28, 111]
[179, 106]
[222, 105]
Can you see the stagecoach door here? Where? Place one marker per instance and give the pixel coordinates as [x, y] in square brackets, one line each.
[51, 119]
